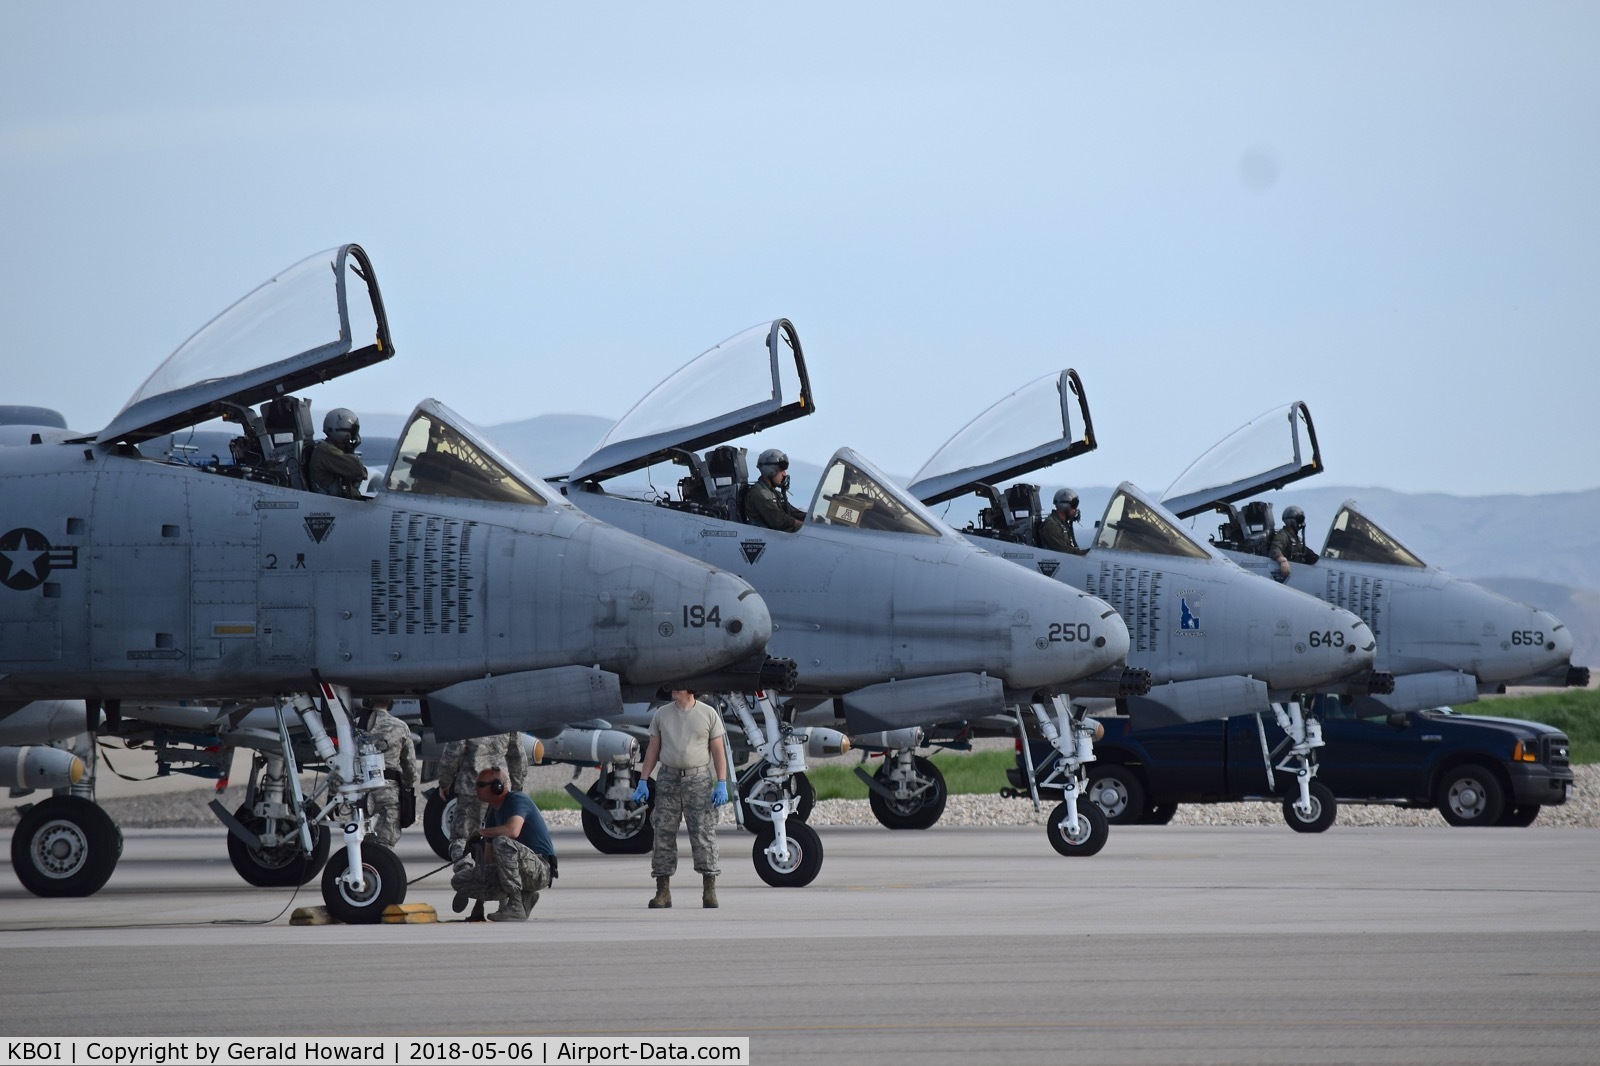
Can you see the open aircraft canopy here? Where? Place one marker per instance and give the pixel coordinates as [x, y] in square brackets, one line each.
[1355, 538]
[1027, 430]
[320, 319]
[1135, 523]
[1268, 452]
[757, 378]
[441, 454]
[857, 495]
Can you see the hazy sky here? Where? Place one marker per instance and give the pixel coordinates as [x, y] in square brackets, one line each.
[1388, 210]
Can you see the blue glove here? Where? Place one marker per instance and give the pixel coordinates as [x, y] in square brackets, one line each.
[719, 795]
[642, 793]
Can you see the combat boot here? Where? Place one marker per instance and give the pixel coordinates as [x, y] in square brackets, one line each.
[663, 894]
[511, 910]
[708, 894]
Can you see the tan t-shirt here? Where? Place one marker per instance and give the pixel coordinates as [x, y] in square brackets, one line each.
[686, 735]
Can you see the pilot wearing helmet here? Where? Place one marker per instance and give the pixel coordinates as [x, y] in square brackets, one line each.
[767, 503]
[1057, 533]
[334, 469]
[1289, 543]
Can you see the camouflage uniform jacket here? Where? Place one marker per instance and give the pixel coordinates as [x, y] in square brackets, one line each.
[333, 471]
[766, 506]
[463, 760]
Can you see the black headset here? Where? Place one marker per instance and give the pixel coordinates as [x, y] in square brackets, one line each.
[497, 786]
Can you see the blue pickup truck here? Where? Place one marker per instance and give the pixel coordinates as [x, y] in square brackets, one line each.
[1475, 769]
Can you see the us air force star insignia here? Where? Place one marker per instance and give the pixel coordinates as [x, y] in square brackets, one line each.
[752, 549]
[1048, 567]
[318, 526]
[26, 559]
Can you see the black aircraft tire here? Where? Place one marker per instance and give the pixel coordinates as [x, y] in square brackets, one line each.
[1519, 816]
[1470, 795]
[284, 866]
[436, 815]
[805, 794]
[609, 838]
[65, 846]
[1127, 804]
[1093, 829]
[1324, 809]
[805, 848]
[1159, 814]
[921, 813]
[385, 875]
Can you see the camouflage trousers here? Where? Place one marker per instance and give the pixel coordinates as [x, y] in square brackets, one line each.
[684, 796]
[467, 816]
[501, 868]
[384, 808]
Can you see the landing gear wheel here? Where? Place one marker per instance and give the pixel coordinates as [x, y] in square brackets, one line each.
[918, 812]
[633, 837]
[1159, 814]
[385, 878]
[1519, 816]
[1093, 830]
[281, 866]
[805, 856]
[764, 788]
[437, 815]
[1471, 795]
[65, 846]
[1117, 791]
[1324, 809]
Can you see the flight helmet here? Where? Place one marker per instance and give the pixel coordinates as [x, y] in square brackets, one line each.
[1294, 516]
[1065, 500]
[342, 427]
[771, 462]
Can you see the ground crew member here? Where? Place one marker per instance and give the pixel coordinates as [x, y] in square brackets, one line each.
[459, 767]
[511, 858]
[389, 810]
[686, 739]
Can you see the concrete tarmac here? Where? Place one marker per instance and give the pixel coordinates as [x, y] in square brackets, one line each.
[953, 945]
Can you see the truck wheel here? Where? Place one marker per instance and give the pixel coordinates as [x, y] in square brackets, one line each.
[1470, 795]
[1324, 809]
[1159, 814]
[1092, 831]
[1519, 816]
[1116, 790]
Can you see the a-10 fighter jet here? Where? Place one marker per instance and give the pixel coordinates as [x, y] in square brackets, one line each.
[881, 606]
[1215, 641]
[461, 580]
[1445, 639]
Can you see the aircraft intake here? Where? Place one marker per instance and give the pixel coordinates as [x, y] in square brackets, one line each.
[523, 702]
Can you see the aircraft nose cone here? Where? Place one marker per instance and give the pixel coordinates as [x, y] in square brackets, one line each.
[1329, 644]
[1070, 635]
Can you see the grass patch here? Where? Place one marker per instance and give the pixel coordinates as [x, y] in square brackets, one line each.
[975, 772]
[1574, 711]
[554, 800]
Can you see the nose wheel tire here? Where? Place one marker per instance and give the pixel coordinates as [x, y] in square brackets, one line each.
[804, 860]
[915, 812]
[65, 846]
[281, 866]
[1118, 792]
[385, 883]
[635, 836]
[1324, 808]
[436, 817]
[1471, 795]
[765, 789]
[1090, 837]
